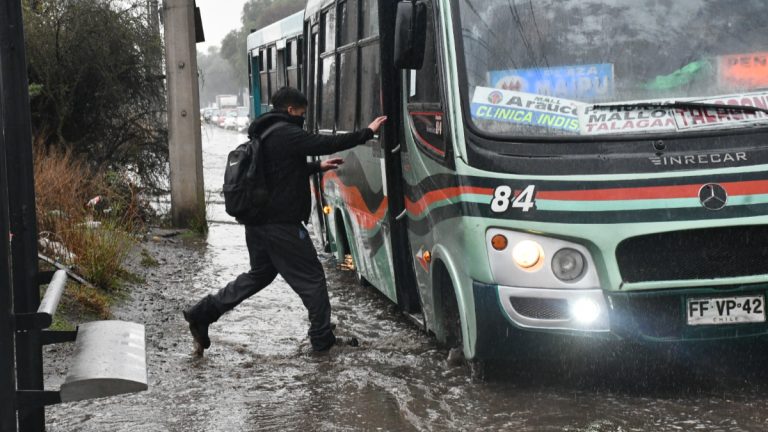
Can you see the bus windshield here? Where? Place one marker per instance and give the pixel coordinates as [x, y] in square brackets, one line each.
[553, 68]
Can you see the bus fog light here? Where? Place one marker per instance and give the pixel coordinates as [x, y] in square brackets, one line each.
[568, 264]
[528, 255]
[585, 310]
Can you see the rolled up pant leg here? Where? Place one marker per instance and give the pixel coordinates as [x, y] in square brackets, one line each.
[295, 258]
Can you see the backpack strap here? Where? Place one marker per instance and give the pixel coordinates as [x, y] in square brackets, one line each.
[263, 136]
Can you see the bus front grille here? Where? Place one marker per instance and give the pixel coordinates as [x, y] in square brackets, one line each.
[710, 253]
[651, 316]
[541, 308]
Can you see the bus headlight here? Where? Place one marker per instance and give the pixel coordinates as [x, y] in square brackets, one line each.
[533, 260]
[585, 310]
[528, 255]
[568, 264]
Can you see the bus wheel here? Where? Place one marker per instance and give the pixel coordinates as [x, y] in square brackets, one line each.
[452, 337]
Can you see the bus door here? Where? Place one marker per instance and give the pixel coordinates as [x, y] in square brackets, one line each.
[428, 162]
[318, 201]
[364, 176]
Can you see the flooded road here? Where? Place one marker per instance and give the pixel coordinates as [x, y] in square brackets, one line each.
[260, 375]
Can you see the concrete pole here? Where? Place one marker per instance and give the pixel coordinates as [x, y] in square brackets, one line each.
[185, 144]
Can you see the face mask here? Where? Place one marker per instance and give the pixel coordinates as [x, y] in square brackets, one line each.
[299, 120]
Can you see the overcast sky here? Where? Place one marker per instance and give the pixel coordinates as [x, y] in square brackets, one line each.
[219, 18]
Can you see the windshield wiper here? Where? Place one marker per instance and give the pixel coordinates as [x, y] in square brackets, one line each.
[681, 104]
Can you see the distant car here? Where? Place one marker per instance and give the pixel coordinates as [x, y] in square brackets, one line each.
[230, 121]
[243, 118]
[214, 118]
[222, 117]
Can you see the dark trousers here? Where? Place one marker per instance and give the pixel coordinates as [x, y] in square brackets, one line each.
[285, 249]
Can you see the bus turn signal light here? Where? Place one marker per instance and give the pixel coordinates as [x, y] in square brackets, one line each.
[327, 210]
[499, 242]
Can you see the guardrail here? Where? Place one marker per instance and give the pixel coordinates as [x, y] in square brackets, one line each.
[109, 359]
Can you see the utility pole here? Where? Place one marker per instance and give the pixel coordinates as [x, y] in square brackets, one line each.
[185, 143]
[17, 131]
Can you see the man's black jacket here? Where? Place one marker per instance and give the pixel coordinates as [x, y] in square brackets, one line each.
[287, 171]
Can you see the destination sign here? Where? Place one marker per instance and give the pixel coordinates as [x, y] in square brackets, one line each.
[526, 109]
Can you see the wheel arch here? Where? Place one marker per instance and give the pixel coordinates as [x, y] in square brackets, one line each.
[444, 268]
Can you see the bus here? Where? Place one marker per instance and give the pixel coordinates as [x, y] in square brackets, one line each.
[594, 169]
[274, 60]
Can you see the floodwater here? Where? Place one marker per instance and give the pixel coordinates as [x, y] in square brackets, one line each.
[260, 375]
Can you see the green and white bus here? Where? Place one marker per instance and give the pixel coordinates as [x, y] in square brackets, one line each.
[274, 60]
[585, 168]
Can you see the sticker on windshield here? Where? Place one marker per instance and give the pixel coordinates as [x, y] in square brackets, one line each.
[703, 118]
[740, 71]
[583, 82]
[526, 109]
[626, 119]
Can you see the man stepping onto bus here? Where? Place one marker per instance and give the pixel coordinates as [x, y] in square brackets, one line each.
[277, 241]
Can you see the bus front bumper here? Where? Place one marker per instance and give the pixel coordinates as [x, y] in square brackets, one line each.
[644, 316]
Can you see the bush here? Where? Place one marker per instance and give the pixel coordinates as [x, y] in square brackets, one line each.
[97, 238]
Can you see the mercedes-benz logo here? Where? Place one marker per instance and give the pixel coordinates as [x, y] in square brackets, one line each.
[713, 196]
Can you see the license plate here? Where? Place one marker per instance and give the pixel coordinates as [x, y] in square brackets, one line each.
[726, 310]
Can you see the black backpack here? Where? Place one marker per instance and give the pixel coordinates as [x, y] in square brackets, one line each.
[245, 186]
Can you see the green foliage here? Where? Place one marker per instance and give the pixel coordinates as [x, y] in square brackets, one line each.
[102, 254]
[147, 260]
[96, 84]
[198, 223]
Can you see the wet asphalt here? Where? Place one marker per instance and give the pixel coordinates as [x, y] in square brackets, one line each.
[260, 374]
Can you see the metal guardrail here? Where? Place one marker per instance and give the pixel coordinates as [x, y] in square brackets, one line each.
[109, 359]
[50, 301]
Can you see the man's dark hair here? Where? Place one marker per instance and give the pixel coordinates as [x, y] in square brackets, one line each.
[288, 96]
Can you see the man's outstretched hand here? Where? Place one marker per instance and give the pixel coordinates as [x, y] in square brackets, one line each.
[376, 123]
[331, 164]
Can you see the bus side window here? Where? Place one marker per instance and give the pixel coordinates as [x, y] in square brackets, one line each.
[327, 71]
[347, 65]
[424, 97]
[264, 77]
[291, 60]
[370, 68]
[299, 63]
[272, 66]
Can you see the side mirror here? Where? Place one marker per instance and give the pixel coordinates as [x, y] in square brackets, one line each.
[410, 34]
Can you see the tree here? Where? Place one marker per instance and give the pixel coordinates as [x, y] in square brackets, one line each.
[94, 66]
[256, 15]
[216, 76]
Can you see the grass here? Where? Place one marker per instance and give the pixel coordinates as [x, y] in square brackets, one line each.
[147, 260]
[90, 220]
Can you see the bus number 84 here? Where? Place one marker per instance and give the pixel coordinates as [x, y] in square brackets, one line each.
[503, 196]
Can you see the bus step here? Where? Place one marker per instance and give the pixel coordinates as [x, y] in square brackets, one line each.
[416, 318]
